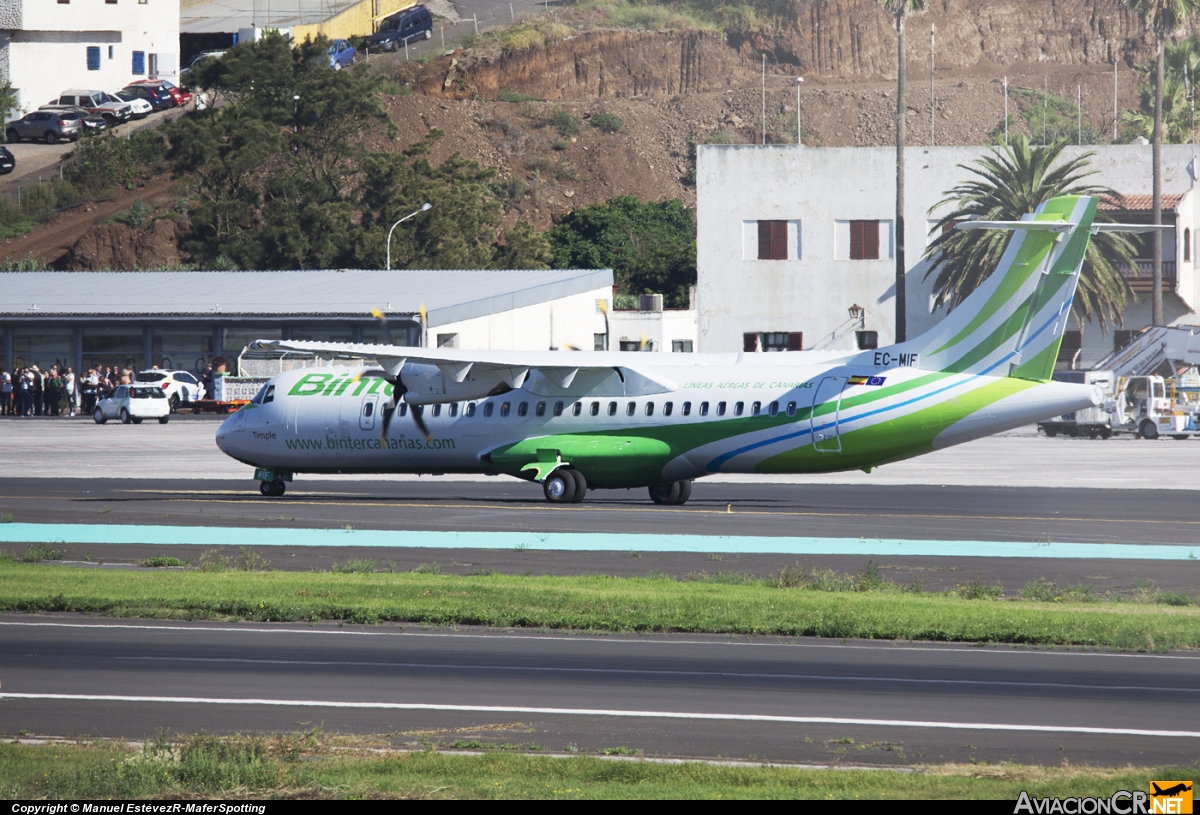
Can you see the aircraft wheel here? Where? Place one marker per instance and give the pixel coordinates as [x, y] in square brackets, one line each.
[1148, 430]
[271, 489]
[580, 486]
[559, 488]
[685, 492]
[665, 493]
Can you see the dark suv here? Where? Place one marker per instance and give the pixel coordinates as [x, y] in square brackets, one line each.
[402, 27]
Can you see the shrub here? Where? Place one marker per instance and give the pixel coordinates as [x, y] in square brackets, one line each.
[564, 123]
[607, 122]
[139, 213]
[509, 95]
[161, 562]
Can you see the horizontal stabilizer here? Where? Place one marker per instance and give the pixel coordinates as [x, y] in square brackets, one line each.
[1130, 228]
[1032, 226]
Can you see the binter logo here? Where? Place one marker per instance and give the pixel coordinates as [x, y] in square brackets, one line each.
[338, 385]
[1170, 797]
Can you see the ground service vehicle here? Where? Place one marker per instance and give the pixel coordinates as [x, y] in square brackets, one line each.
[573, 421]
[133, 404]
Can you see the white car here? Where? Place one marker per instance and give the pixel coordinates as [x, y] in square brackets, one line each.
[132, 404]
[141, 108]
[180, 387]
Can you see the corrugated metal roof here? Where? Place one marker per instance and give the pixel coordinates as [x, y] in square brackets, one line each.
[1140, 203]
[448, 295]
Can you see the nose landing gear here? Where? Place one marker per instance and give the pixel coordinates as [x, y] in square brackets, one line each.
[271, 489]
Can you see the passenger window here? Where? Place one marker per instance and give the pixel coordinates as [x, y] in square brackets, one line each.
[612, 408]
[704, 408]
[649, 408]
[523, 409]
[739, 408]
[453, 409]
[631, 408]
[774, 408]
[577, 408]
[667, 408]
[540, 410]
[505, 407]
[437, 411]
[687, 409]
[368, 410]
[755, 408]
[791, 409]
[487, 410]
[558, 408]
[595, 409]
[470, 409]
[720, 408]
[404, 409]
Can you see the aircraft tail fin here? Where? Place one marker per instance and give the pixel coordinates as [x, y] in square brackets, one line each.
[1013, 324]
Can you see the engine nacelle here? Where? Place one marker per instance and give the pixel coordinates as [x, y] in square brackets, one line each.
[458, 382]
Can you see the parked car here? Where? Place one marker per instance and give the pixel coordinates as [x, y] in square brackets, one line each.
[341, 54]
[113, 110]
[158, 98]
[404, 26]
[133, 403]
[181, 96]
[91, 124]
[203, 55]
[44, 125]
[180, 387]
[7, 161]
[141, 107]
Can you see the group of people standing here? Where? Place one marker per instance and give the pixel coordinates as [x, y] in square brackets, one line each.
[29, 392]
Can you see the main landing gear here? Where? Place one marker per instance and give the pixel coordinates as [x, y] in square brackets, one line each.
[674, 493]
[565, 486]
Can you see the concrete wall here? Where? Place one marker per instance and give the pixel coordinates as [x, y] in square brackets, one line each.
[818, 190]
[358, 20]
[660, 328]
[567, 321]
[47, 53]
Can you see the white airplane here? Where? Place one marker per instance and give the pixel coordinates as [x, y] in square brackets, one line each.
[574, 421]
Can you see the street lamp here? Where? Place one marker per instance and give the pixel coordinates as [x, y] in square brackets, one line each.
[799, 136]
[858, 315]
[424, 208]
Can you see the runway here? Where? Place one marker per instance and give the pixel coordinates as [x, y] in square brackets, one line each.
[807, 701]
[1010, 535]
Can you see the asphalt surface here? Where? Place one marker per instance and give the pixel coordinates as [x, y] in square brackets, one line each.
[815, 701]
[918, 512]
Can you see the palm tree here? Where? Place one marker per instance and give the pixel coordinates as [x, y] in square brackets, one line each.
[1161, 18]
[1176, 115]
[1010, 182]
[900, 9]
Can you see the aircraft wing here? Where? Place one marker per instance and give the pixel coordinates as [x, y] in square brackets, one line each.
[560, 368]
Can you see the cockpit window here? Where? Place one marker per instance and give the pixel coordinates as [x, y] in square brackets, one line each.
[262, 394]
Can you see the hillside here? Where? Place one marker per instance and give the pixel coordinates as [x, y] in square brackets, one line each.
[669, 86]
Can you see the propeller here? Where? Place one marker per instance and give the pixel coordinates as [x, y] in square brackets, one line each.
[398, 389]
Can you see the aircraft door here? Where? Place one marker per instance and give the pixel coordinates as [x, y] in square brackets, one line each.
[825, 434]
[367, 413]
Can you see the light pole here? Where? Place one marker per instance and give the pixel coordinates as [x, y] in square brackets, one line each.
[799, 132]
[424, 208]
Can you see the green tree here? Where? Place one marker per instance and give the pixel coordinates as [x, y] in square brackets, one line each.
[900, 10]
[524, 248]
[1009, 183]
[651, 247]
[1161, 18]
[8, 99]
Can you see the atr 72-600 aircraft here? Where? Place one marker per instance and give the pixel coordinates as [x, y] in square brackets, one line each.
[575, 421]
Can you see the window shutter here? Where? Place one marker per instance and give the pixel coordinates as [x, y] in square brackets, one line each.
[779, 240]
[764, 240]
[139, 62]
[795, 341]
[750, 340]
[870, 240]
[856, 240]
[93, 58]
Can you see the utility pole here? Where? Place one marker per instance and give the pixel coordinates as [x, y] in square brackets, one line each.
[1006, 111]
[932, 98]
[800, 133]
[764, 99]
[1114, 99]
[1079, 111]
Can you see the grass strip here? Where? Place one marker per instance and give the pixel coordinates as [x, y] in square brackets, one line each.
[308, 765]
[591, 603]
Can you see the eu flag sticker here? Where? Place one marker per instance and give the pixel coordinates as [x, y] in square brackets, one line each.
[875, 380]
